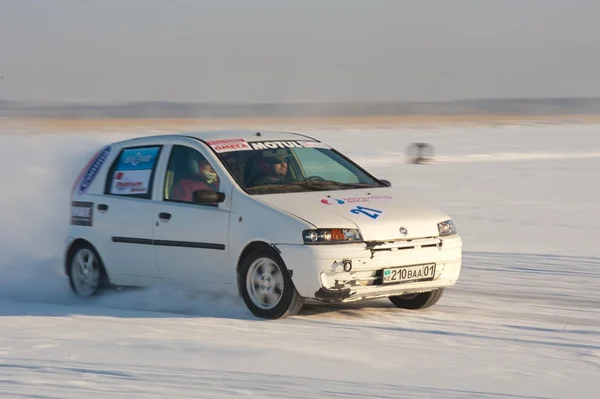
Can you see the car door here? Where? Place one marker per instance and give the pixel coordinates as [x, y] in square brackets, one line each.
[191, 240]
[124, 215]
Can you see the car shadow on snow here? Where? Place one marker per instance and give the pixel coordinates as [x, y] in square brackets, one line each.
[126, 303]
[150, 303]
[144, 303]
[31, 286]
[352, 309]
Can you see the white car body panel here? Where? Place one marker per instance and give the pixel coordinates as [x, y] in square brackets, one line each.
[395, 210]
[173, 250]
[119, 221]
[204, 228]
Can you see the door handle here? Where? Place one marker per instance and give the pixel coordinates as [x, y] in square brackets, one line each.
[102, 207]
[164, 215]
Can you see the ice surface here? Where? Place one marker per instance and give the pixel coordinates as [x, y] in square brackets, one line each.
[523, 320]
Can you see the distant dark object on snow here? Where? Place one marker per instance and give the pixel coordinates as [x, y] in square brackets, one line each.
[420, 153]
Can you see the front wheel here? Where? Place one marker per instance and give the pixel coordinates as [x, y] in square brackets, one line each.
[267, 287]
[417, 301]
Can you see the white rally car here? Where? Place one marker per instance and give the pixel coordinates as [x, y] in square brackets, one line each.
[274, 217]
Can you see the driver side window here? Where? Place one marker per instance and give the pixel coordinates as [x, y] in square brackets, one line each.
[188, 170]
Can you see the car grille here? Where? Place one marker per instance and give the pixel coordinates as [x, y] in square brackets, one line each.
[427, 242]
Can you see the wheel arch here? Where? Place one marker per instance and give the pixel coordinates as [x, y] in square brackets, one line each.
[292, 301]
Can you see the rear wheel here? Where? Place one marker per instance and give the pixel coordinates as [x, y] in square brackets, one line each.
[417, 301]
[267, 287]
[86, 272]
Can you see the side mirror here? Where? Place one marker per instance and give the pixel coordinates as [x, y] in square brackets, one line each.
[207, 197]
[386, 182]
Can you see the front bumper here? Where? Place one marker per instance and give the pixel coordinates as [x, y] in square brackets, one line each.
[318, 270]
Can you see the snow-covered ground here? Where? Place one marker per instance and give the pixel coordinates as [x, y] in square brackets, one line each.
[523, 320]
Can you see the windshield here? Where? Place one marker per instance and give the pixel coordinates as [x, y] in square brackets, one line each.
[291, 166]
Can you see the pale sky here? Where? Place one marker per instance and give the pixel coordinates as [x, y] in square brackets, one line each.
[297, 50]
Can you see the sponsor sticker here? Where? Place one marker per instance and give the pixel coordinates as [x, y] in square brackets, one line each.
[138, 158]
[354, 200]
[370, 212]
[134, 170]
[242, 145]
[229, 145]
[331, 201]
[271, 145]
[314, 144]
[82, 213]
[126, 182]
[93, 170]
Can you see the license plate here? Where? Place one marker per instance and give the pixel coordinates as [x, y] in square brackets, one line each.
[409, 274]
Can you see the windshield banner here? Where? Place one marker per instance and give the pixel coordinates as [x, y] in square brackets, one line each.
[271, 145]
[241, 145]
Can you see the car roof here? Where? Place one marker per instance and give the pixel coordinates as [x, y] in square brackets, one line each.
[248, 135]
[214, 135]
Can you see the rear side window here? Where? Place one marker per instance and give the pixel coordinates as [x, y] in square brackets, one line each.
[132, 173]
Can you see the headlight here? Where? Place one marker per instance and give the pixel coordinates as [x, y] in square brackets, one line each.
[322, 236]
[446, 228]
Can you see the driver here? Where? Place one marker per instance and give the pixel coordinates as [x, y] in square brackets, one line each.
[274, 168]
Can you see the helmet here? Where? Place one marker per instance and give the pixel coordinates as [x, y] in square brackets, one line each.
[269, 158]
[276, 155]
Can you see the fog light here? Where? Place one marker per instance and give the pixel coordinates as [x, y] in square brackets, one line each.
[446, 228]
[347, 265]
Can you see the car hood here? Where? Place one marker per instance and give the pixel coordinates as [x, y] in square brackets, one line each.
[379, 213]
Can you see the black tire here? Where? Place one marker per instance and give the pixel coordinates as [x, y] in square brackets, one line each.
[290, 302]
[417, 301]
[97, 266]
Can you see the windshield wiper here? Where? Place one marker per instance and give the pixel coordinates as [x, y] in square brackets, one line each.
[357, 185]
[330, 183]
[313, 185]
[272, 188]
